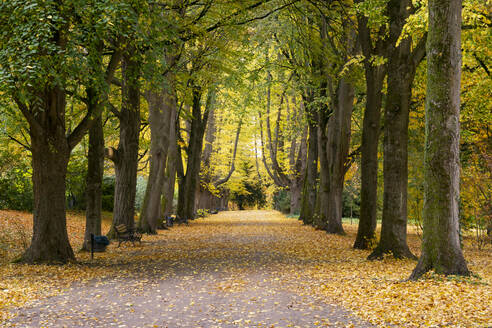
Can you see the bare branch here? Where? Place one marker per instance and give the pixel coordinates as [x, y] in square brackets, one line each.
[113, 109]
[19, 142]
[112, 154]
[28, 115]
[232, 168]
[94, 110]
[419, 51]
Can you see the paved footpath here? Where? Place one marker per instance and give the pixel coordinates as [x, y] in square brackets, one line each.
[223, 271]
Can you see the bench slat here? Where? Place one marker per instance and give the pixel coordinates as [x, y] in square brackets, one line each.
[121, 228]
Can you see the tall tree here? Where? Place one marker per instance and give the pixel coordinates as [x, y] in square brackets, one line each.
[308, 198]
[299, 45]
[373, 47]
[292, 177]
[335, 120]
[162, 105]
[337, 151]
[125, 156]
[170, 175]
[97, 96]
[441, 248]
[45, 48]
[402, 64]
[95, 171]
[188, 182]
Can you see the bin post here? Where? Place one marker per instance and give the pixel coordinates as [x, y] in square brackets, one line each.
[92, 246]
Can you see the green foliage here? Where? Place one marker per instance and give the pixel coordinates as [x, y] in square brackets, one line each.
[54, 43]
[281, 200]
[202, 213]
[288, 44]
[108, 193]
[350, 201]
[15, 183]
[76, 181]
[245, 190]
[139, 196]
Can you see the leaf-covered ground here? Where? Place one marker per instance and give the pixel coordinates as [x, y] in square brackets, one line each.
[248, 268]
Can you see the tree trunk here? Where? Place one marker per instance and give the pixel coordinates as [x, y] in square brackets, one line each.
[338, 148]
[51, 145]
[232, 167]
[295, 196]
[400, 77]
[189, 183]
[369, 162]
[204, 196]
[298, 167]
[170, 176]
[441, 248]
[160, 107]
[95, 171]
[324, 115]
[209, 141]
[50, 155]
[276, 172]
[169, 185]
[125, 158]
[308, 201]
[298, 176]
[187, 190]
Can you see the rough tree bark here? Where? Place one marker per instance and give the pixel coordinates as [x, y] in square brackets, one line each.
[125, 157]
[297, 176]
[96, 100]
[51, 145]
[161, 102]
[324, 114]
[189, 182]
[204, 196]
[170, 175]
[402, 64]
[370, 135]
[95, 171]
[308, 200]
[297, 163]
[369, 158]
[441, 248]
[50, 155]
[338, 144]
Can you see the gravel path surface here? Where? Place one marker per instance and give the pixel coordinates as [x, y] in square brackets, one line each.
[231, 277]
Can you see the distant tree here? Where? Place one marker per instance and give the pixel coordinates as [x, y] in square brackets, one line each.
[246, 190]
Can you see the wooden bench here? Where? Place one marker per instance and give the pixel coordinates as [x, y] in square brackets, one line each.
[129, 235]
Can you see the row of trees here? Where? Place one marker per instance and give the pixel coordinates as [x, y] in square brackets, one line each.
[182, 88]
[325, 51]
[65, 62]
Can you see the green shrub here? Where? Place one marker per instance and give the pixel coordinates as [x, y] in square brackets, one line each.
[281, 200]
[202, 212]
[15, 184]
[108, 193]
